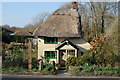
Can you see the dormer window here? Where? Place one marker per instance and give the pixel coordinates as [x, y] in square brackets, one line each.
[50, 40]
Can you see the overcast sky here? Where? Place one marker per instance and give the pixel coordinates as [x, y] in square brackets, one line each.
[20, 14]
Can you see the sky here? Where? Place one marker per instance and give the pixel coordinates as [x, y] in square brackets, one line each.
[20, 14]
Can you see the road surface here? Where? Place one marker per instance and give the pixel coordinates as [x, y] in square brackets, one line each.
[53, 77]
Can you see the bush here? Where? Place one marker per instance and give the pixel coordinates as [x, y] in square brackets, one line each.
[108, 71]
[35, 63]
[88, 69]
[13, 38]
[75, 71]
[71, 61]
[16, 59]
[14, 69]
[80, 61]
[102, 51]
[48, 69]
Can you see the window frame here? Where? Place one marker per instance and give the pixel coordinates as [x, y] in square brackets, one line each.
[71, 52]
[51, 40]
[51, 54]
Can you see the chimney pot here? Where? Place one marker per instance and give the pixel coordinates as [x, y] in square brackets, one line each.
[75, 5]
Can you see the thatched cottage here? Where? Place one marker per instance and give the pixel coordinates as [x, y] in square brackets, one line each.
[60, 36]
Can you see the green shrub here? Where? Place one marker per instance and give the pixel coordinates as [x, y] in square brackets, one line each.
[88, 69]
[18, 58]
[14, 69]
[80, 61]
[75, 71]
[113, 59]
[96, 70]
[71, 61]
[86, 58]
[48, 69]
[35, 63]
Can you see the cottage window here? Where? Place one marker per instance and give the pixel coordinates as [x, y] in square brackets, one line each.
[50, 40]
[71, 52]
[50, 54]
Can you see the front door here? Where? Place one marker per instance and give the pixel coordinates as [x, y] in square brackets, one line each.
[62, 53]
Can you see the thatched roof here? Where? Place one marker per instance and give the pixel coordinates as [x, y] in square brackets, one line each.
[62, 23]
[23, 33]
[7, 30]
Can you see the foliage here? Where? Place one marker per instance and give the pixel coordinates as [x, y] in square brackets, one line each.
[108, 71]
[45, 60]
[113, 35]
[6, 38]
[14, 69]
[96, 17]
[96, 70]
[102, 51]
[100, 54]
[75, 71]
[48, 69]
[19, 39]
[35, 63]
[100, 60]
[18, 58]
[71, 61]
[86, 58]
[35, 52]
[80, 61]
[13, 38]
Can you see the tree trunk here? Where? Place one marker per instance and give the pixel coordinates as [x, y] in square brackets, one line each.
[102, 30]
[29, 55]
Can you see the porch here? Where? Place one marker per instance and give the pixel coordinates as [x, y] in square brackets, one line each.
[65, 50]
[64, 54]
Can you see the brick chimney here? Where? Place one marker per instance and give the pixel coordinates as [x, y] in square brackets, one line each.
[75, 5]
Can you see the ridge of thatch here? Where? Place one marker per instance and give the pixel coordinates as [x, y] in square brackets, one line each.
[62, 23]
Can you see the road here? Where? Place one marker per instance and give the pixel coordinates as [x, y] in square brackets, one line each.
[52, 77]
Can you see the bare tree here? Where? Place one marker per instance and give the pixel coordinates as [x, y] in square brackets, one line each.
[113, 35]
[66, 5]
[37, 20]
[40, 18]
[30, 27]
